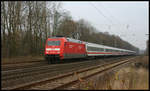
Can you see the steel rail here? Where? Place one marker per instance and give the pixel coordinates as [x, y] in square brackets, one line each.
[56, 78]
[21, 62]
[20, 73]
[81, 78]
[38, 68]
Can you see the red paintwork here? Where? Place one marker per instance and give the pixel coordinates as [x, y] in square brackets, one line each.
[62, 41]
[74, 48]
[65, 47]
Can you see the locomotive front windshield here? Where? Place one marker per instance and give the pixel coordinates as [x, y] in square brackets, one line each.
[53, 43]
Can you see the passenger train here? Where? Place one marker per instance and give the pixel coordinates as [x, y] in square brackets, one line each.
[59, 48]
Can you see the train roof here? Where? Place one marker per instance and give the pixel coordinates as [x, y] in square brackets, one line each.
[74, 40]
[108, 47]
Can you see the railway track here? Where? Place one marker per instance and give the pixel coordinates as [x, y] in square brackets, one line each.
[21, 62]
[10, 67]
[65, 80]
[35, 70]
[81, 75]
[47, 72]
[44, 70]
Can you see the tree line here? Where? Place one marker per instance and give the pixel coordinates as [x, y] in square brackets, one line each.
[25, 26]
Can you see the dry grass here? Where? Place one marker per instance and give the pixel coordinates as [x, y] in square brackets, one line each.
[131, 78]
[128, 78]
[143, 62]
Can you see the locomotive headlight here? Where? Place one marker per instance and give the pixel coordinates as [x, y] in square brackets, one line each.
[57, 49]
[48, 49]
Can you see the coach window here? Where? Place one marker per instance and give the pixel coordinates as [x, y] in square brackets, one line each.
[101, 49]
[107, 50]
[110, 50]
[87, 48]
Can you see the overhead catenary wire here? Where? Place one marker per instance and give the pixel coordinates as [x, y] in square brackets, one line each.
[112, 16]
[100, 12]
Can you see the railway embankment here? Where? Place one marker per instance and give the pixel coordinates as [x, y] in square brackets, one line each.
[131, 77]
[109, 73]
[21, 59]
[24, 75]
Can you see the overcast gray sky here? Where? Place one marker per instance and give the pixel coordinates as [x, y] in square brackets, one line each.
[129, 20]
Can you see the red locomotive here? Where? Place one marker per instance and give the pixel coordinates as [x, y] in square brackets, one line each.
[58, 48]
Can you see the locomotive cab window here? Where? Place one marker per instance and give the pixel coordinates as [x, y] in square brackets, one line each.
[53, 43]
